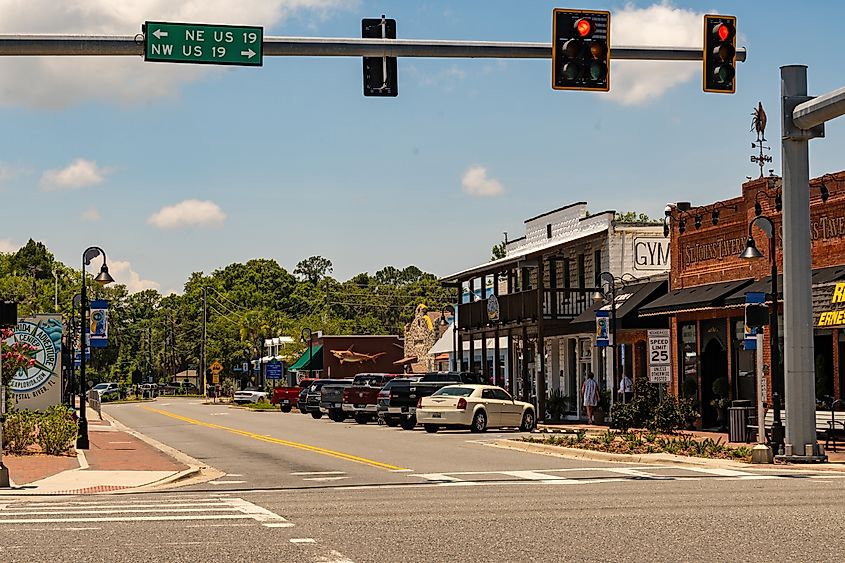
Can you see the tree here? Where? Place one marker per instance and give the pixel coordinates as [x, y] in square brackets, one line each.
[313, 269]
[635, 217]
[498, 251]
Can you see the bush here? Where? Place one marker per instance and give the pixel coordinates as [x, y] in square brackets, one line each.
[19, 431]
[556, 404]
[57, 430]
[648, 411]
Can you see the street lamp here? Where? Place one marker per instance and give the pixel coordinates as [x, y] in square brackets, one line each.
[603, 295]
[751, 253]
[102, 278]
[307, 340]
[453, 361]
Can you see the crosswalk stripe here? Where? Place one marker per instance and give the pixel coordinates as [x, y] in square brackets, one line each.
[534, 476]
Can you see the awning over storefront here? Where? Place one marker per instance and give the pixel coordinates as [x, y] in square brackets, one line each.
[309, 360]
[628, 301]
[709, 296]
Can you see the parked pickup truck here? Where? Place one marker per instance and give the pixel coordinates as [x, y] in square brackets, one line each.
[287, 397]
[331, 400]
[397, 402]
[361, 399]
[314, 393]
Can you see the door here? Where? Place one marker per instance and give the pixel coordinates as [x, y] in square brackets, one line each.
[511, 412]
[493, 406]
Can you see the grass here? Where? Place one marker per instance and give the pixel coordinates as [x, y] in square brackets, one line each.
[649, 443]
[262, 406]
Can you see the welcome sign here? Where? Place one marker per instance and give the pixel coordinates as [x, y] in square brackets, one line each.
[39, 386]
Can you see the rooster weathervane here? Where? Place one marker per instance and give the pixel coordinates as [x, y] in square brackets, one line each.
[758, 124]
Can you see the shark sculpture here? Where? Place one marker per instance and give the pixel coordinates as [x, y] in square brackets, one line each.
[350, 357]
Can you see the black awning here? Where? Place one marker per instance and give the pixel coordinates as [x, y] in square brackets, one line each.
[628, 301]
[707, 296]
[764, 285]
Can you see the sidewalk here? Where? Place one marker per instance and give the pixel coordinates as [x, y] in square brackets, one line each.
[117, 460]
[837, 458]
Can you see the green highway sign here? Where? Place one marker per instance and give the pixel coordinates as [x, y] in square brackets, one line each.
[169, 42]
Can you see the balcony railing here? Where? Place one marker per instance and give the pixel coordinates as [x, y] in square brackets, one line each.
[558, 304]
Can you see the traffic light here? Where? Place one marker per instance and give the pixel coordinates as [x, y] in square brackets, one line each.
[756, 315]
[380, 74]
[580, 50]
[720, 54]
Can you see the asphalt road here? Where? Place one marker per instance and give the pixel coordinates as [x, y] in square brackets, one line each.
[299, 489]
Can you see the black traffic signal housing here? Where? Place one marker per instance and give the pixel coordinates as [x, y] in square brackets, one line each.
[380, 74]
[720, 54]
[756, 315]
[580, 50]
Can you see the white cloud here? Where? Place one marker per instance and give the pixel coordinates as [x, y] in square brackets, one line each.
[446, 78]
[80, 173]
[91, 214]
[123, 273]
[57, 82]
[477, 184]
[189, 213]
[8, 245]
[659, 25]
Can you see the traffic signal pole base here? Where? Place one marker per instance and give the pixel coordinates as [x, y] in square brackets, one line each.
[761, 453]
[5, 480]
[82, 439]
[814, 454]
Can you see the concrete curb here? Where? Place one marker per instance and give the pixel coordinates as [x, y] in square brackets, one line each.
[197, 472]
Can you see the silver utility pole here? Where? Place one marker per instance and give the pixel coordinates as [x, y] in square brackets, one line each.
[129, 45]
[201, 370]
[803, 119]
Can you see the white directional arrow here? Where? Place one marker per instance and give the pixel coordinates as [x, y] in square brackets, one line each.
[159, 34]
[249, 53]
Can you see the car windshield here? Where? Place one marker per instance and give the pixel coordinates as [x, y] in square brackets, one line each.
[454, 391]
[100, 386]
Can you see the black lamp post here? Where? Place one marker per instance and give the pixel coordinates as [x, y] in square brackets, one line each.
[306, 337]
[102, 278]
[751, 253]
[602, 295]
[443, 322]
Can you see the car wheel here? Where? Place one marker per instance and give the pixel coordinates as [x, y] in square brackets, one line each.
[431, 428]
[479, 422]
[337, 416]
[391, 422]
[285, 408]
[362, 418]
[408, 422]
[527, 421]
[316, 415]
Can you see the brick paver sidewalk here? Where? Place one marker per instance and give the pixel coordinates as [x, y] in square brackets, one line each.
[111, 449]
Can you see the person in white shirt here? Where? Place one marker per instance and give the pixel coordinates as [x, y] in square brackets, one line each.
[626, 389]
[590, 395]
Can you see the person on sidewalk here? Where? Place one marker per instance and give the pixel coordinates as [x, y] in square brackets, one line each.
[626, 389]
[590, 395]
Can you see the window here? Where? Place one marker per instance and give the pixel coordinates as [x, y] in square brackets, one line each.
[582, 274]
[597, 267]
[454, 392]
[487, 394]
[552, 273]
[501, 394]
[566, 281]
[549, 230]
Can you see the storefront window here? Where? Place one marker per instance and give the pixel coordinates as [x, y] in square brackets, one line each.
[689, 361]
[744, 365]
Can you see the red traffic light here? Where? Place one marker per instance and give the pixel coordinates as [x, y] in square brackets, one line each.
[584, 27]
[723, 31]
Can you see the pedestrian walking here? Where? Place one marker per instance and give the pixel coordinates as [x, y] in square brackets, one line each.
[626, 389]
[590, 395]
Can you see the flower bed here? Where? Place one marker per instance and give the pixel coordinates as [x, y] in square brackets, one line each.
[635, 442]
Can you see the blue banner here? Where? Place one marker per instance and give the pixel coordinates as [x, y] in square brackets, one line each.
[602, 328]
[98, 335]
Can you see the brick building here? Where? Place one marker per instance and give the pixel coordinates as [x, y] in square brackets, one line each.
[709, 281]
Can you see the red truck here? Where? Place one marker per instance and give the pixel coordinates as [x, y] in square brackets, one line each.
[287, 397]
[361, 399]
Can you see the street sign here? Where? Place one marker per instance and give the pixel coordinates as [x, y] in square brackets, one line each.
[169, 42]
[659, 356]
[215, 367]
[274, 369]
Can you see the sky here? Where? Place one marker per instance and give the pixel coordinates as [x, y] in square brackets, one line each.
[174, 169]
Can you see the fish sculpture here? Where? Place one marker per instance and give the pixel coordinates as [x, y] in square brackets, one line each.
[350, 357]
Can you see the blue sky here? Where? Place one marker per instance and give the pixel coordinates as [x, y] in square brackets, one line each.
[174, 169]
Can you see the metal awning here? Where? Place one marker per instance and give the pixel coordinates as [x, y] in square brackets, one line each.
[628, 301]
[709, 296]
[309, 360]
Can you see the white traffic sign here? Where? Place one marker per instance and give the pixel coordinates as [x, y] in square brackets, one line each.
[659, 356]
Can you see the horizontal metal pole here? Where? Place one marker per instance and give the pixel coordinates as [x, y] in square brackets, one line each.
[820, 109]
[124, 45]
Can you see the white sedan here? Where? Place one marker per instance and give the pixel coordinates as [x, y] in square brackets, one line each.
[477, 407]
[249, 396]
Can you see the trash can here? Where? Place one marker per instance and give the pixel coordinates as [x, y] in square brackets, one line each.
[738, 414]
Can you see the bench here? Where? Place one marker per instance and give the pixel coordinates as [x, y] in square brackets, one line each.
[830, 423]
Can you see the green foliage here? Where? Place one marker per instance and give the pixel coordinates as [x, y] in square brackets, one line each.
[557, 404]
[648, 411]
[19, 431]
[690, 387]
[635, 217]
[498, 252]
[313, 269]
[57, 430]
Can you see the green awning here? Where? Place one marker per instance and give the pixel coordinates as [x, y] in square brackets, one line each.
[314, 355]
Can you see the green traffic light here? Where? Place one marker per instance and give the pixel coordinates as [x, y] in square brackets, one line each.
[597, 71]
[724, 74]
[571, 71]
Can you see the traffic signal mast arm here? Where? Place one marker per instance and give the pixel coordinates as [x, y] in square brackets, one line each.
[129, 45]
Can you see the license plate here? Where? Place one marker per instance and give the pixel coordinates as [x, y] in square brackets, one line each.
[360, 406]
[337, 405]
[286, 402]
[435, 415]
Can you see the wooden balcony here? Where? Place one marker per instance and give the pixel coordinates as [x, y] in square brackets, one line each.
[521, 307]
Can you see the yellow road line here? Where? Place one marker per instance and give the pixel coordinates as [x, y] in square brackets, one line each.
[288, 443]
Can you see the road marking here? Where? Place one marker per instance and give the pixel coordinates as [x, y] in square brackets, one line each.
[301, 540]
[319, 473]
[534, 476]
[324, 478]
[278, 441]
[234, 475]
[218, 482]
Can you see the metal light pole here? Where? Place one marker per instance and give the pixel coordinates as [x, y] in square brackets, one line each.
[751, 253]
[307, 340]
[102, 278]
[602, 295]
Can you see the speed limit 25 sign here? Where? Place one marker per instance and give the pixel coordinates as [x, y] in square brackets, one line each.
[659, 356]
